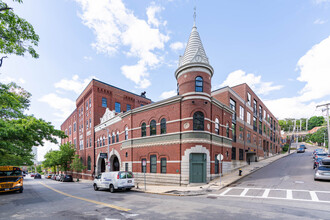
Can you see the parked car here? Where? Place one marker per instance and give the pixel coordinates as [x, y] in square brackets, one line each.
[49, 176]
[37, 176]
[66, 178]
[317, 162]
[325, 161]
[114, 180]
[58, 177]
[32, 174]
[320, 155]
[301, 150]
[303, 146]
[317, 151]
[322, 172]
[54, 177]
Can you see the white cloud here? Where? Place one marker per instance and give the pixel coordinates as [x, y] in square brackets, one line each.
[239, 76]
[63, 106]
[42, 150]
[177, 46]
[117, 28]
[168, 94]
[7, 79]
[74, 84]
[314, 69]
[321, 1]
[88, 58]
[319, 21]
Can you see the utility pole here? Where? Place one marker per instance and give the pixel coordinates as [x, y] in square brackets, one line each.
[306, 124]
[327, 109]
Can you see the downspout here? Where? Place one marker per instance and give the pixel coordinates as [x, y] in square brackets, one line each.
[180, 140]
[132, 139]
[211, 138]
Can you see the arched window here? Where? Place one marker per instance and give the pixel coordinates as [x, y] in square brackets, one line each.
[100, 142]
[153, 128]
[103, 141]
[198, 121]
[117, 136]
[89, 163]
[143, 130]
[163, 126]
[199, 84]
[109, 139]
[113, 137]
[216, 130]
[126, 133]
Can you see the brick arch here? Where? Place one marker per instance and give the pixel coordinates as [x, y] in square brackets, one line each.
[152, 118]
[163, 116]
[197, 110]
[142, 122]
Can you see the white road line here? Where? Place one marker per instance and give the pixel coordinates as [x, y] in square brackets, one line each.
[244, 192]
[289, 194]
[224, 193]
[298, 190]
[314, 196]
[266, 193]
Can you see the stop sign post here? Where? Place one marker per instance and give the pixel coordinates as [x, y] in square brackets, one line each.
[220, 158]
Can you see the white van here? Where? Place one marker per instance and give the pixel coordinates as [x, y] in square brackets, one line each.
[114, 180]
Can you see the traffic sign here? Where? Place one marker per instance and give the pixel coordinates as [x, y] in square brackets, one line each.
[220, 157]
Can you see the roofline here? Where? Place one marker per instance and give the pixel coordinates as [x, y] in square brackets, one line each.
[112, 87]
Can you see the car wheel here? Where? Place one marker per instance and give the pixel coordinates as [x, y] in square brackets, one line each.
[111, 189]
[128, 189]
[95, 187]
[21, 190]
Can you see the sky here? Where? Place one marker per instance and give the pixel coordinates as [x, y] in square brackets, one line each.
[281, 49]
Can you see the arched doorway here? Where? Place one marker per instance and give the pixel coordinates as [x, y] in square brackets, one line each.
[115, 166]
[102, 165]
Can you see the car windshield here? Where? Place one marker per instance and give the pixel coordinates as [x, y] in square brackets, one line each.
[11, 173]
[321, 155]
[324, 168]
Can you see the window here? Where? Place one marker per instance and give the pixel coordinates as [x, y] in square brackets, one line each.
[87, 143]
[90, 123]
[233, 126]
[163, 126]
[104, 102]
[66, 132]
[241, 154]
[163, 165]
[216, 130]
[89, 163]
[97, 143]
[109, 139]
[126, 133]
[260, 127]
[177, 88]
[70, 130]
[153, 164]
[128, 107]
[87, 124]
[198, 121]
[248, 117]
[87, 105]
[100, 139]
[113, 138]
[264, 114]
[255, 107]
[81, 144]
[90, 102]
[126, 167]
[249, 99]
[75, 143]
[103, 141]
[260, 112]
[117, 136]
[255, 128]
[216, 164]
[152, 127]
[74, 127]
[199, 84]
[143, 130]
[117, 107]
[248, 136]
[227, 130]
[144, 167]
[90, 142]
[233, 153]
[241, 113]
[233, 107]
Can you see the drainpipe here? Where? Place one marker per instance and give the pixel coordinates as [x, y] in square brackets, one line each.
[180, 140]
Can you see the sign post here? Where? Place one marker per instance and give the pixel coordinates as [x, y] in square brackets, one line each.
[220, 158]
[144, 164]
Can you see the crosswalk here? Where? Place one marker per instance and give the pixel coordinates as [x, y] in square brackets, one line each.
[284, 194]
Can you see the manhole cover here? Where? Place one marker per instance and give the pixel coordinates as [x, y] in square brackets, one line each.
[298, 181]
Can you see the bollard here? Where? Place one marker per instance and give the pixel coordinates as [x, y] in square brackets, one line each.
[240, 172]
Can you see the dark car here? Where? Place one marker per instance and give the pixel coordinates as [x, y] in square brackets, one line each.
[37, 176]
[317, 162]
[303, 146]
[301, 150]
[66, 178]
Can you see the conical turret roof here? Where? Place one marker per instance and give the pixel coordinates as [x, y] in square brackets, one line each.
[194, 52]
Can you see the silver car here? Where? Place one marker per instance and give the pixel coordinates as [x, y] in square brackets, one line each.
[322, 173]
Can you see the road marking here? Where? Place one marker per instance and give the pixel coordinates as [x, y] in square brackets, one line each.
[87, 200]
[244, 192]
[289, 194]
[266, 193]
[227, 190]
[314, 196]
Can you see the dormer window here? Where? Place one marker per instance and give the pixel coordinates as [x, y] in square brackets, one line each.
[199, 84]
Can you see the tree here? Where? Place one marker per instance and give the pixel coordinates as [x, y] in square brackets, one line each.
[77, 165]
[319, 135]
[20, 132]
[315, 121]
[52, 160]
[17, 36]
[66, 155]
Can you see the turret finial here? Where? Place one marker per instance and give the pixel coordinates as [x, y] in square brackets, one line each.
[194, 16]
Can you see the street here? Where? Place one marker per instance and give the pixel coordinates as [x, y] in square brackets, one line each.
[284, 189]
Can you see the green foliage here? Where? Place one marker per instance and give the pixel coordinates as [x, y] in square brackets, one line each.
[77, 164]
[285, 147]
[17, 36]
[318, 137]
[315, 121]
[39, 168]
[20, 132]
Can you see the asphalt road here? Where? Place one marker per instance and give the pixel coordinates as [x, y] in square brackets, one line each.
[48, 199]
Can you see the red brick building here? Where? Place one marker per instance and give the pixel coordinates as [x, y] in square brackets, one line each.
[174, 141]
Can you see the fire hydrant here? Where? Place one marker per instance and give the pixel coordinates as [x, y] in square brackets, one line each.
[240, 172]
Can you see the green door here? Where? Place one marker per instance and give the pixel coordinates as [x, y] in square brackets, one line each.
[197, 168]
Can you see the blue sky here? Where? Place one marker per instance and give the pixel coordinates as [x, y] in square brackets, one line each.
[280, 48]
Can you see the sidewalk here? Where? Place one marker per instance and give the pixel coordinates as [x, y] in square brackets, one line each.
[212, 185]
